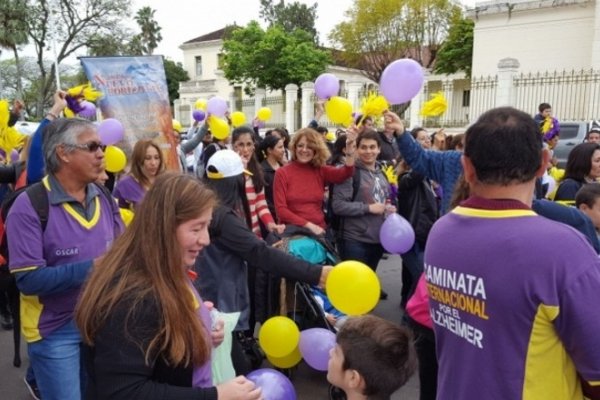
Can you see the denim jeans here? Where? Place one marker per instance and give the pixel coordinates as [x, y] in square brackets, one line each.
[367, 253]
[57, 365]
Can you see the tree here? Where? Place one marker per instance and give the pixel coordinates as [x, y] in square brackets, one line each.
[150, 36]
[175, 74]
[71, 25]
[456, 53]
[378, 32]
[116, 43]
[13, 33]
[271, 59]
[290, 16]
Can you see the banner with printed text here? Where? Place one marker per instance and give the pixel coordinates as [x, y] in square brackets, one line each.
[135, 93]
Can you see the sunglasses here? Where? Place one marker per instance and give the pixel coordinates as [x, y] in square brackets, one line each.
[91, 147]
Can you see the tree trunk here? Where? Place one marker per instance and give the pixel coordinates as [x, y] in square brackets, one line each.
[19, 94]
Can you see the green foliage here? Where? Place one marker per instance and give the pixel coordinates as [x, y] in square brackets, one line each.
[150, 36]
[73, 25]
[290, 16]
[271, 59]
[175, 74]
[13, 25]
[456, 53]
[377, 32]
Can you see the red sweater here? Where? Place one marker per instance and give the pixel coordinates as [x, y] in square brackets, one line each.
[299, 189]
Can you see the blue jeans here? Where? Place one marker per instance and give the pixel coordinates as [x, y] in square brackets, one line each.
[57, 365]
[367, 253]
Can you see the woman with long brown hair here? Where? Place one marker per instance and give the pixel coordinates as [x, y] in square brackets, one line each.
[147, 163]
[145, 329]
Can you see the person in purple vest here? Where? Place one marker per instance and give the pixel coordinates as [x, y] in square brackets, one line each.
[146, 164]
[514, 318]
[147, 333]
[51, 264]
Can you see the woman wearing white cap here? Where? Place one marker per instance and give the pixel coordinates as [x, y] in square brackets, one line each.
[222, 268]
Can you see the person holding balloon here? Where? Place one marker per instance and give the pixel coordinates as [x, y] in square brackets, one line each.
[234, 248]
[147, 333]
[362, 211]
[146, 164]
[299, 187]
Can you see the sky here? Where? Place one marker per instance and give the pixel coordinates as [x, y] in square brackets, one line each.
[183, 20]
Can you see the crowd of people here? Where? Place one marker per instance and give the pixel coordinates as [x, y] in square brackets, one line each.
[111, 311]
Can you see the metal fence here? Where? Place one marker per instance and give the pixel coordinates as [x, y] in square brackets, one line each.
[574, 95]
[277, 106]
[483, 94]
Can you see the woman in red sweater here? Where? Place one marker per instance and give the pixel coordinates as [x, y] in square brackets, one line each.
[299, 186]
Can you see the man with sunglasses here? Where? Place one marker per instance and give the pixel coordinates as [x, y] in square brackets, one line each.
[51, 259]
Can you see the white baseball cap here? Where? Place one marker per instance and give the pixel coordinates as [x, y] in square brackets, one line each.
[225, 164]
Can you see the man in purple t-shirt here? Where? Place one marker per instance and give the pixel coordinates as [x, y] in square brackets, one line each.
[513, 296]
[51, 265]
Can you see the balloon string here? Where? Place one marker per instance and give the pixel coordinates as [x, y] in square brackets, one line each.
[361, 120]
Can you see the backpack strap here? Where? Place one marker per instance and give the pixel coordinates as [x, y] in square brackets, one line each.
[38, 196]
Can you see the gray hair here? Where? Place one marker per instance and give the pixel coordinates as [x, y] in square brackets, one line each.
[60, 132]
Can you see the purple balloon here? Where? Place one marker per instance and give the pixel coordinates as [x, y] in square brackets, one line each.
[216, 106]
[198, 115]
[111, 131]
[315, 344]
[401, 81]
[14, 156]
[88, 110]
[326, 86]
[397, 236]
[274, 385]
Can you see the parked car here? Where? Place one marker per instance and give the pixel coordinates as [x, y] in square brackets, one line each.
[571, 134]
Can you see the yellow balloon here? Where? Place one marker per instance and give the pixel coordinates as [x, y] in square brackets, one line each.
[126, 215]
[279, 336]
[177, 126]
[200, 104]
[218, 127]
[288, 361]
[264, 114]
[338, 109]
[115, 159]
[330, 137]
[353, 288]
[238, 118]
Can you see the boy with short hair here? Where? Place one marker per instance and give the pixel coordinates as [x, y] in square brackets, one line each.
[587, 200]
[372, 358]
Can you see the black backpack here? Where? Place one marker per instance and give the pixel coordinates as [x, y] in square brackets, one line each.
[38, 196]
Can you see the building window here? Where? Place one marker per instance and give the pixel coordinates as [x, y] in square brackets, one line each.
[198, 65]
[220, 58]
[466, 98]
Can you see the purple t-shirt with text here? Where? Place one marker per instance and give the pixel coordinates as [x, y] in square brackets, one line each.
[68, 238]
[514, 301]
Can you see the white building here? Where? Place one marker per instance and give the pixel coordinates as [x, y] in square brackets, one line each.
[542, 35]
[526, 52]
[201, 59]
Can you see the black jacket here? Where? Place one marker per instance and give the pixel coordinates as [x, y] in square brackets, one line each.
[417, 203]
[222, 266]
[116, 363]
